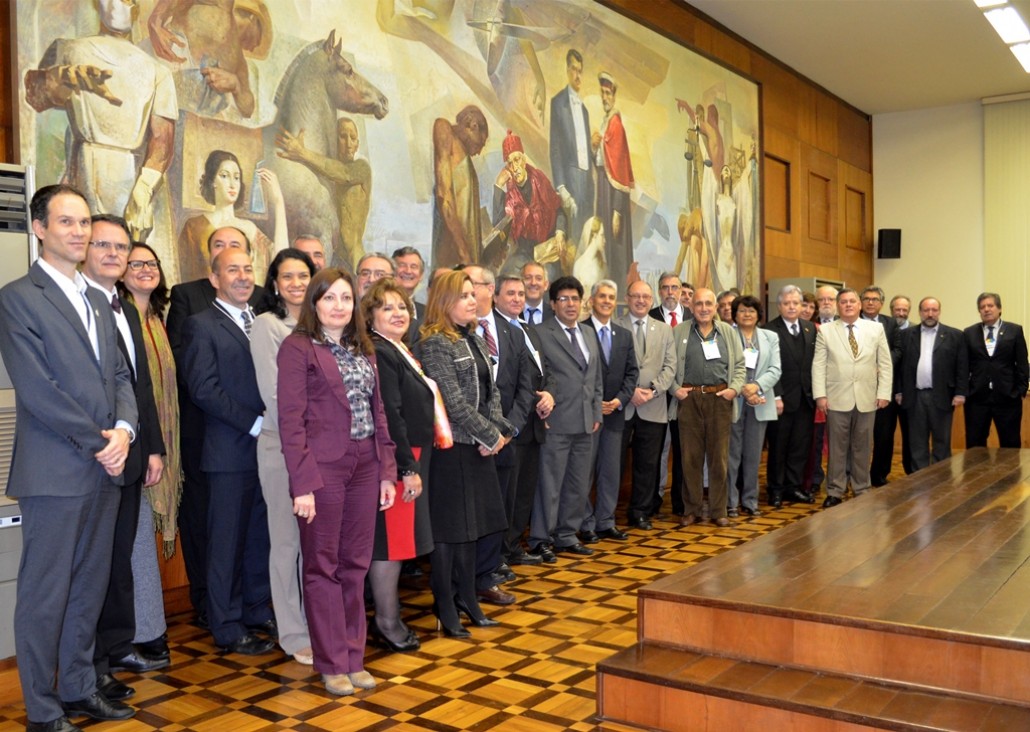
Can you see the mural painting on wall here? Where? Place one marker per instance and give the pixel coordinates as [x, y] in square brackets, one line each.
[490, 131]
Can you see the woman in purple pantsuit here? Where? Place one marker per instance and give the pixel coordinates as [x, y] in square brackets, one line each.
[341, 464]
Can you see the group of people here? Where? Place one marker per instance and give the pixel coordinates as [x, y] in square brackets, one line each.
[330, 429]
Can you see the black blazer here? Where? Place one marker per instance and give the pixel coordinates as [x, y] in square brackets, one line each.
[148, 432]
[950, 365]
[1007, 370]
[542, 380]
[407, 401]
[219, 373]
[795, 384]
[416, 323]
[514, 373]
[619, 374]
[194, 297]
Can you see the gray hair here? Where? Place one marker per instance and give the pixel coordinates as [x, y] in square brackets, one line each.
[604, 283]
[789, 290]
[374, 255]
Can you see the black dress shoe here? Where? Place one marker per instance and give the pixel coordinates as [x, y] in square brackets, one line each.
[155, 649]
[641, 523]
[61, 724]
[832, 501]
[588, 537]
[137, 664]
[504, 574]
[574, 549]
[524, 558]
[410, 568]
[250, 645]
[775, 499]
[410, 642]
[750, 511]
[545, 552]
[800, 497]
[97, 706]
[201, 621]
[269, 628]
[113, 689]
[613, 534]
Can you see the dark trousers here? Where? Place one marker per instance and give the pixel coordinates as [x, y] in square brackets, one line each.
[677, 472]
[645, 440]
[238, 589]
[337, 551]
[1005, 412]
[790, 440]
[65, 562]
[117, 624]
[194, 502]
[883, 443]
[814, 473]
[488, 547]
[704, 431]
[926, 422]
[525, 473]
[906, 444]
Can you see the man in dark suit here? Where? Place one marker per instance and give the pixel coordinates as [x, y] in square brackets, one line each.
[933, 364]
[619, 373]
[671, 312]
[511, 364]
[572, 164]
[998, 376]
[565, 458]
[509, 302]
[190, 298]
[409, 268]
[872, 300]
[219, 373]
[106, 261]
[537, 308]
[790, 434]
[76, 418]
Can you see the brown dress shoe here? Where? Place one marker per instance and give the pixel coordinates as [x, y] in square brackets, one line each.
[687, 520]
[722, 521]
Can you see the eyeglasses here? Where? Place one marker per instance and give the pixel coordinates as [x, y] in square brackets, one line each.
[376, 274]
[109, 245]
[871, 299]
[562, 299]
[139, 264]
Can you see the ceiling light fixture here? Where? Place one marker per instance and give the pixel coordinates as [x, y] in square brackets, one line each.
[1022, 52]
[1009, 25]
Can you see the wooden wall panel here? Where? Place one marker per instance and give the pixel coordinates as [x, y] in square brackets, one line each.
[854, 219]
[777, 194]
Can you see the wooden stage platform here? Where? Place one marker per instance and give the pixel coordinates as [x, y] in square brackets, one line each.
[907, 608]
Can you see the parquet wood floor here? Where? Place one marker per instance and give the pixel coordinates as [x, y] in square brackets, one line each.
[535, 672]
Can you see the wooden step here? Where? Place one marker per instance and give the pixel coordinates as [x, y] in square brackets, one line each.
[657, 687]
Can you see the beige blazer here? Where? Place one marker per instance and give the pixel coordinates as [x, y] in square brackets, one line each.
[849, 382]
[657, 366]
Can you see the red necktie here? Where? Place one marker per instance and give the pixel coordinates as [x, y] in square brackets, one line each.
[672, 319]
[491, 344]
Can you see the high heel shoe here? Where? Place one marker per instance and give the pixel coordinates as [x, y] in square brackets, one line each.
[410, 643]
[481, 622]
[458, 632]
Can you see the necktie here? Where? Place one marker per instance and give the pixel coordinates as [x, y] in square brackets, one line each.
[116, 303]
[990, 333]
[532, 320]
[672, 319]
[516, 323]
[577, 352]
[641, 341]
[851, 340]
[606, 343]
[248, 321]
[491, 344]
[794, 329]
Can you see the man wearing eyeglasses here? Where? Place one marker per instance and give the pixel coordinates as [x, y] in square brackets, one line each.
[566, 457]
[372, 267]
[106, 261]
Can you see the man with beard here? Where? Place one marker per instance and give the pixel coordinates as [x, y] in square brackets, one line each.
[457, 231]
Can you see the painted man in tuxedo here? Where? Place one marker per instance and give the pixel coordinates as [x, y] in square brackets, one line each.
[76, 418]
[933, 363]
[572, 164]
[852, 377]
[998, 375]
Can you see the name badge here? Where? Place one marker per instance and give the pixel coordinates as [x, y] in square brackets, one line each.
[711, 350]
[751, 359]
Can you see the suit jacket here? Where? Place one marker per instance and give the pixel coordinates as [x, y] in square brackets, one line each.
[190, 298]
[315, 416]
[1007, 369]
[148, 433]
[850, 382]
[563, 149]
[577, 393]
[220, 376]
[407, 401]
[514, 376]
[619, 375]
[737, 373]
[949, 367]
[416, 323]
[543, 380]
[767, 374]
[657, 313]
[64, 396]
[656, 367]
[453, 367]
[796, 354]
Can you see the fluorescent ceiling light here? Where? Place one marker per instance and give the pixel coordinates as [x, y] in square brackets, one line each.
[1009, 25]
[1022, 52]
[989, 3]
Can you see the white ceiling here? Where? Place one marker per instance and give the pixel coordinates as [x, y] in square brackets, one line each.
[882, 55]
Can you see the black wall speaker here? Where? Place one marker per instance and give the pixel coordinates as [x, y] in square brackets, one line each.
[889, 244]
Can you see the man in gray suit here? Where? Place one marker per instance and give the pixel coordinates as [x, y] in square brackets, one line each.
[565, 458]
[76, 417]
